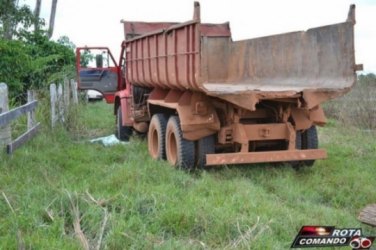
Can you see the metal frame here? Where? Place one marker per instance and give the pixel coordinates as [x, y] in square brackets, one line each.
[263, 157]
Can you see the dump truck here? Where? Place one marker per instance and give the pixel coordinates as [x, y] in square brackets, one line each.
[203, 99]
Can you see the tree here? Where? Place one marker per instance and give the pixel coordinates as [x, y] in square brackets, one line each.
[15, 65]
[28, 57]
[15, 20]
[7, 11]
[85, 58]
[64, 40]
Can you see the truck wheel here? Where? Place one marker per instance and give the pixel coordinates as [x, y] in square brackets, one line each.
[205, 146]
[156, 137]
[123, 133]
[310, 141]
[179, 151]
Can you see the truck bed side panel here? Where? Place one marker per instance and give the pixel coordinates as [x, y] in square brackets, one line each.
[167, 58]
[318, 59]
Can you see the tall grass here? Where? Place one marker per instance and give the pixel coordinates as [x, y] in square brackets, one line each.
[61, 192]
[358, 107]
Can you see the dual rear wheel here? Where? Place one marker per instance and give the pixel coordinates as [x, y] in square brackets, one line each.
[156, 135]
[165, 141]
[179, 151]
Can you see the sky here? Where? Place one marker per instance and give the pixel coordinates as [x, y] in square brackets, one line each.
[97, 22]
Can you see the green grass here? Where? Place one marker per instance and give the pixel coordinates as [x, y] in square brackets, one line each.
[59, 175]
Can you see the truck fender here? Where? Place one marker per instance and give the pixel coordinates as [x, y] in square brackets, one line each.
[122, 99]
[304, 118]
[198, 117]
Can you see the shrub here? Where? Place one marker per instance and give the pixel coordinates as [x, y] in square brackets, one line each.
[357, 108]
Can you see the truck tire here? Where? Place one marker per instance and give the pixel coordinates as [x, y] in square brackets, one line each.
[310, 140]
[156, 137]
[205, 146]
[179, 151]
[123, 133]
[298, 145]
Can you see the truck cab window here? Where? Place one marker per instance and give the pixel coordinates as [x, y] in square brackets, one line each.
[96, 58]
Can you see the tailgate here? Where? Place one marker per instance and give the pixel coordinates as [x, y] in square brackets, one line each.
[319, 59]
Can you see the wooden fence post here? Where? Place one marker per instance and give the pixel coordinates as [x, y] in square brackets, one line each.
[60, 102]
[74, 91]
[61, 96]
[66, 93]
[5, 132]
[30, 115]
[53, 99]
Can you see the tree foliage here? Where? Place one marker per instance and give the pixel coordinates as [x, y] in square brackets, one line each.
[28, 59]
[15, 21]
[369, 79]
[15, 64]
[85, 58]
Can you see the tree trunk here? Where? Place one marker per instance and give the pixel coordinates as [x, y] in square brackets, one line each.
[37, 14]
[8, 23]
[52, 18]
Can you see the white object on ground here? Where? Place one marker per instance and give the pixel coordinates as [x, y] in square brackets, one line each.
[108, 140]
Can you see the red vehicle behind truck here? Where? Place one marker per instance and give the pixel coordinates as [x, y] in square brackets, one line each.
[203, 99]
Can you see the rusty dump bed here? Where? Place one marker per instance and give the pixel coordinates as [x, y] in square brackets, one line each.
[203, 57]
